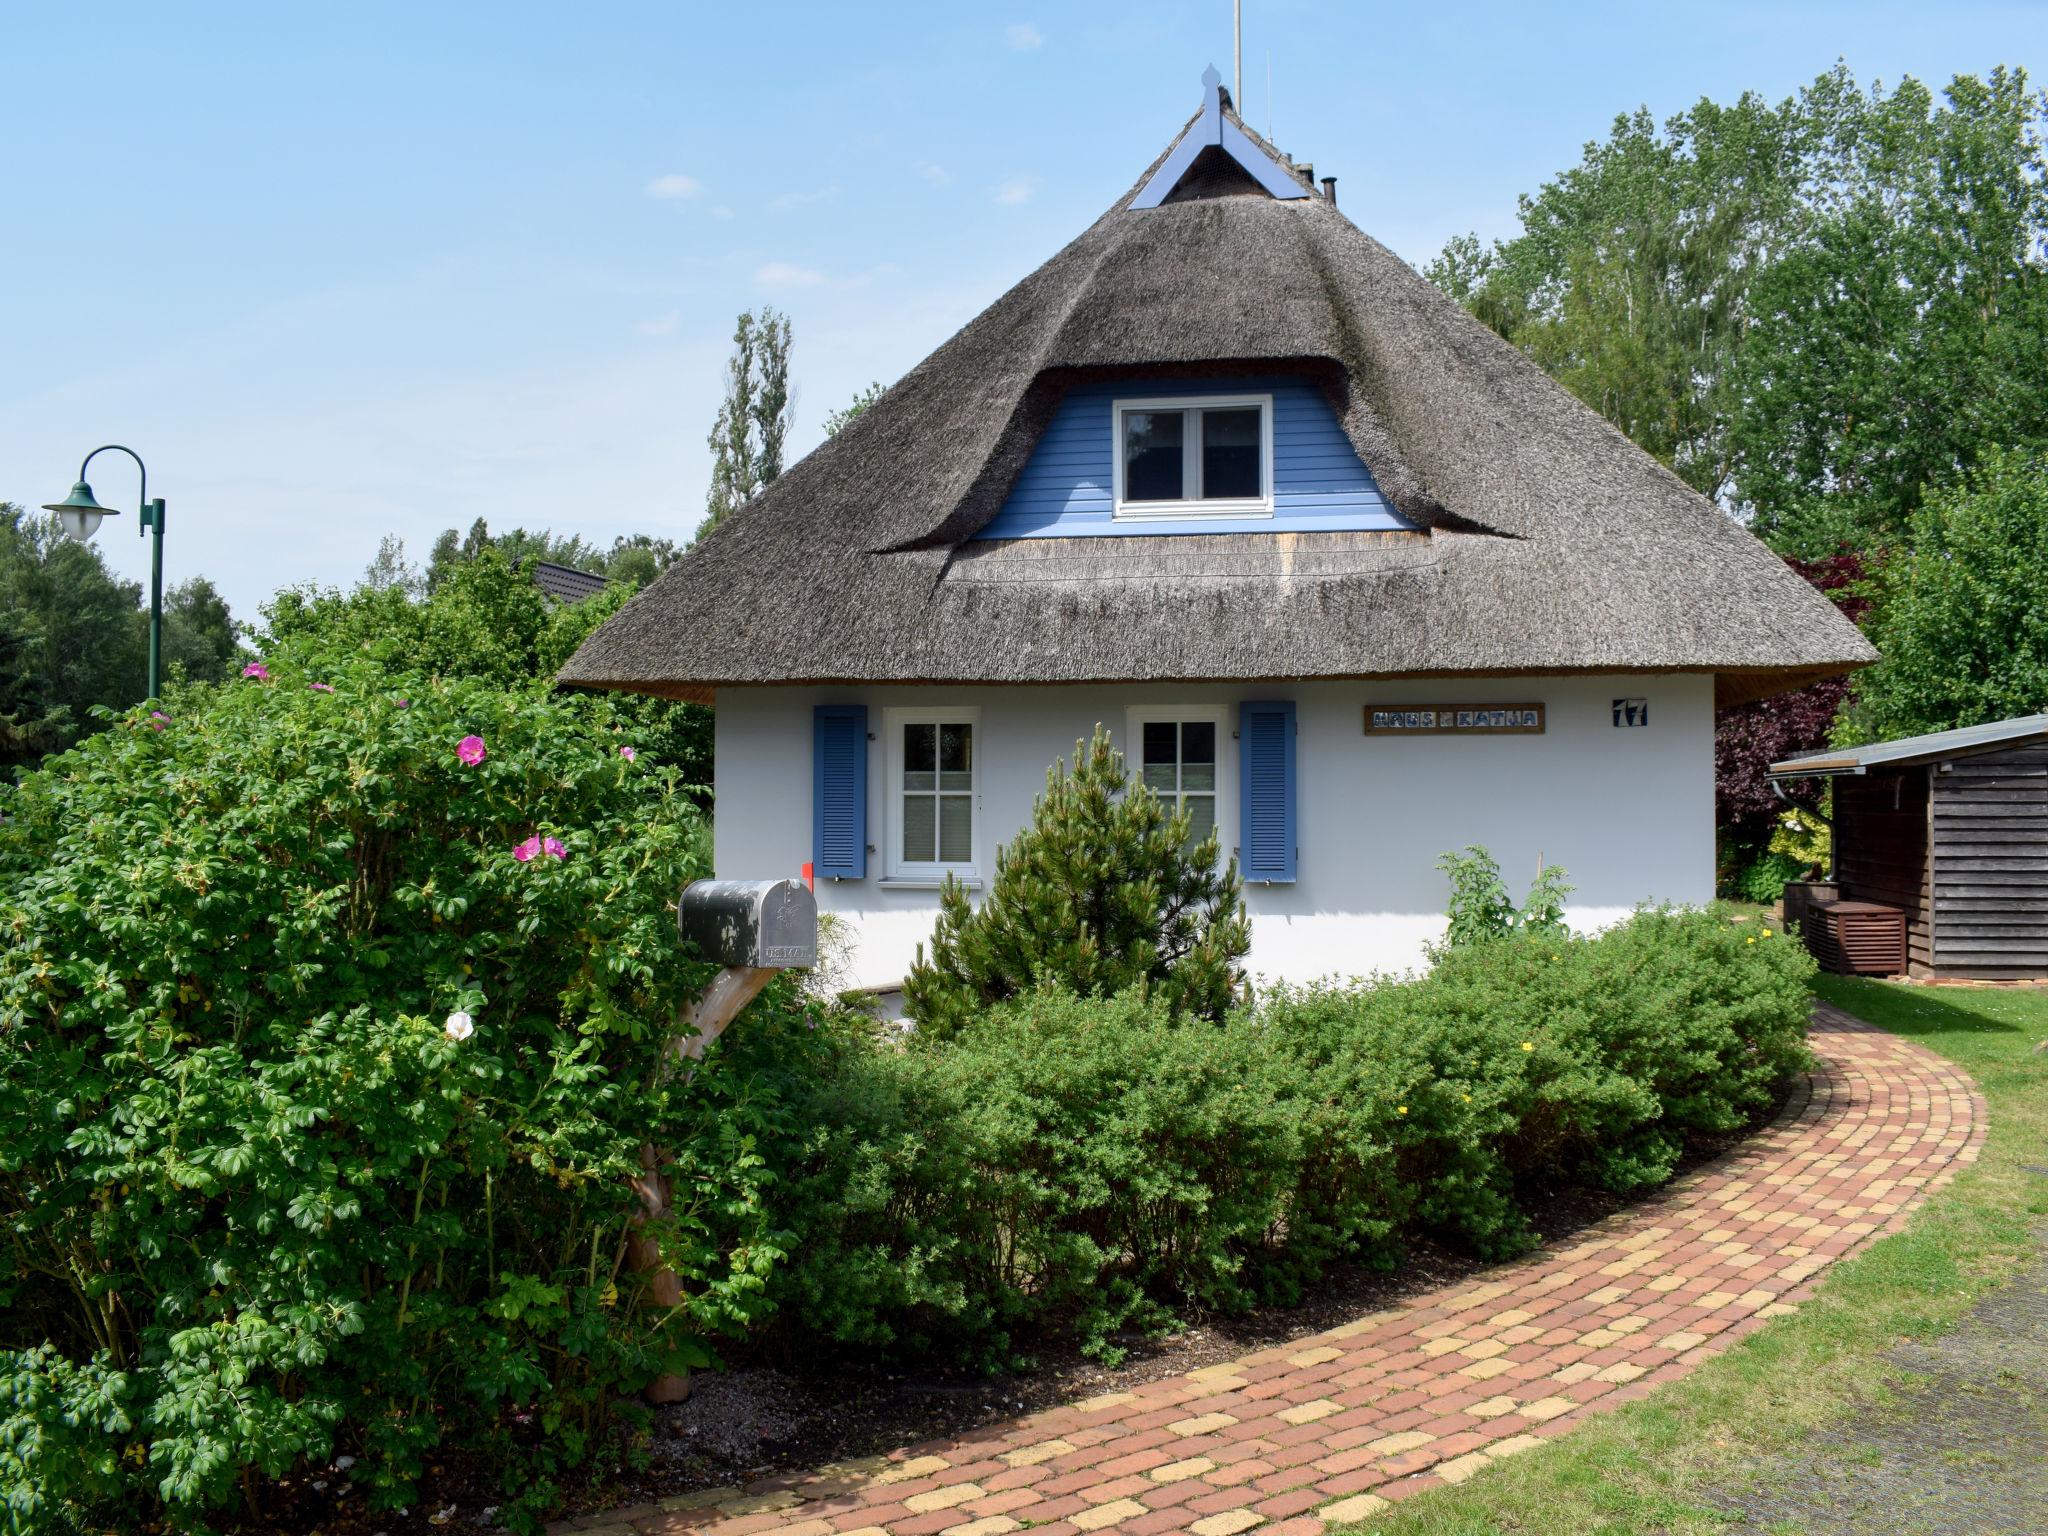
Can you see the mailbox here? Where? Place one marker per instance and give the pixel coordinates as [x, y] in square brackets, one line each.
[755, 924]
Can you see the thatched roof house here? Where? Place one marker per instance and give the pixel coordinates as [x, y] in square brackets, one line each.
[1226, 456]
[1547, 541]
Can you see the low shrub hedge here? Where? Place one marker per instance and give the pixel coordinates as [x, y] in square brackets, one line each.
[1087, 1165]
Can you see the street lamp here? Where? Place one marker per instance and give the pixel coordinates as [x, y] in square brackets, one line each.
[79, 516]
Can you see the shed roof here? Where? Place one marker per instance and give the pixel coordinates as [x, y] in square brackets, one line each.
[1550, 542]
[1908, 750]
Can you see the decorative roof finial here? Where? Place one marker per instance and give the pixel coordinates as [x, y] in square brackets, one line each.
[1210, 79]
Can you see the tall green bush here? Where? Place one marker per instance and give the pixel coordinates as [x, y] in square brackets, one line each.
[1103, 891]
[330, 1004]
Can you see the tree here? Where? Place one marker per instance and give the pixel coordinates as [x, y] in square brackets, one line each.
[753, 419]
[75, 626]
[516, 548]
[1959, 616]
[636, 559]
[1748, 738]
[390, 568]
[1102, 892]
[1904, 330]
[199, 632]
[838, 421]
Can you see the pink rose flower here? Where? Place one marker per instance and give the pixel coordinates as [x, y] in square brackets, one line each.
[628, 753]
[157, 719]
[552, 847]
[321, 687]
[470, 751]
[257, 670]
[530, 849]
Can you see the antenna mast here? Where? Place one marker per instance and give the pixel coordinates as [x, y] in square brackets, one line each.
[1237, 72]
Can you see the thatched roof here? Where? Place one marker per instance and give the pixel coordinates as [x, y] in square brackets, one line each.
[1550, 542]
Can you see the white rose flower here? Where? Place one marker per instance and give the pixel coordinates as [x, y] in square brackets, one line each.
[460, 1026]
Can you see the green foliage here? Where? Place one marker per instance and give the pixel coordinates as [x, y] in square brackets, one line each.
[1763, 877]
[263, 1206]
[1816, 311]
[1088, 1165]
[200, 643]
[484, 620]
[753, 418]
[1480, 908]
[1100, 893]
[838, 421]
[634, 559]
[1959, 618]
[72, 637]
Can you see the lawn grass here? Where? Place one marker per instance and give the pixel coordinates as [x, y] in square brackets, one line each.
[1641, 1468]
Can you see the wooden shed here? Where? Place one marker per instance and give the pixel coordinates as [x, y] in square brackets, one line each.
[1952, 828]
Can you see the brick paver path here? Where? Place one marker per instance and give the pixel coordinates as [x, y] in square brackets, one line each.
[1328, 1427]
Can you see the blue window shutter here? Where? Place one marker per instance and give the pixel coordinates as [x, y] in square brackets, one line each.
[839, 792]
[1266, 831]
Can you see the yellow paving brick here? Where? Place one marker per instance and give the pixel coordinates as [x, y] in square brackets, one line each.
[1201, 1424]
[1214, 1372]
[917, 1466]
[1407, 1440]
[1107, 1514]
[806, 1528]
[1758, 1298]
[703, 1498]
[1181, 1471]
[1364, 1324]
[1308, 1413]
[1355, 1508]
[858, 1466]
[1442, 1346]
[1622, 1373]
[1106, 1400]
[1547, 1408]
[1484, 1349]
[944, 1498]
[1492, 1408]
[1485, 1370]
[1682, 1341]
[1032, 1455]
[1572, 1373]
[1629, 1324]
[1777, 1309]
[987, 1525]
[1317, 1356]
[1510, 1318]
[1459, 1468]
[1599, 1338]
[1719, 1298]
[1601, 1297]
[1514, 1445]
[1665, 1283]
[1229, 1523]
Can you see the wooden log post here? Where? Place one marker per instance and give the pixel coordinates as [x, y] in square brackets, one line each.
[754, 929]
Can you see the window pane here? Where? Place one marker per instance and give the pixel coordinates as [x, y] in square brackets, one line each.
[956, 829]
[1152, 441]
[956, 748]
[1159, 753]
[920, 782]
[918, 811]
[1202, 813]
[919, 748]
[1230, 453]
[1198, 742]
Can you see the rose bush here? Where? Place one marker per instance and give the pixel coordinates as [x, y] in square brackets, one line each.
[317, 1098]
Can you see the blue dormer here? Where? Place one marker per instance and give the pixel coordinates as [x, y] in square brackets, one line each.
[1153, 456]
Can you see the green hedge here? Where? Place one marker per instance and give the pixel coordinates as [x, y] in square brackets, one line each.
[264, 1205]
[1085, 1165]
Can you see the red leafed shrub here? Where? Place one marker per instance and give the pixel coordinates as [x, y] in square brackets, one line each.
[1750, 737]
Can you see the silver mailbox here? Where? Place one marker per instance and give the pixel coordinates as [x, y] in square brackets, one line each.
[753, 923]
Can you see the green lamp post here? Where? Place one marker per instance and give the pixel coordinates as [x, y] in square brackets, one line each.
[79, 516]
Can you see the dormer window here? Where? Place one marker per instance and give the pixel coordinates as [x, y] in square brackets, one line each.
[1203, 456]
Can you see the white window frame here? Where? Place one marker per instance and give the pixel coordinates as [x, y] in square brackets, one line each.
[1191, 460]
[1138, 716]
[897, 867]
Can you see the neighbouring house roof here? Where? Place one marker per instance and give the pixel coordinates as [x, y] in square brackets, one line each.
[1910, 750]
[1548, 542]
[565, 583]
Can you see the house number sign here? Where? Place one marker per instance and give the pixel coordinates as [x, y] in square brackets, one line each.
[1454, 719]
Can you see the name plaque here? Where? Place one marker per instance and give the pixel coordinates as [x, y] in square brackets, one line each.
[1454, 719]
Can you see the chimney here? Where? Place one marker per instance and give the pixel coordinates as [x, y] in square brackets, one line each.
[1330, 190]
[1308, 173]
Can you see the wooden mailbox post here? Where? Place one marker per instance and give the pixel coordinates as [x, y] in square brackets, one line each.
[751, 929]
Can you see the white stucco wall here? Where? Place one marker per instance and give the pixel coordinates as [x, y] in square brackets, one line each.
[1627, 812]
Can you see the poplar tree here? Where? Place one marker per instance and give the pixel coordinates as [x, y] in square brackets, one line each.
[753, 419]
[1103, 892]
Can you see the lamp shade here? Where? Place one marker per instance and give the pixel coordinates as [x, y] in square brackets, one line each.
[79, 513]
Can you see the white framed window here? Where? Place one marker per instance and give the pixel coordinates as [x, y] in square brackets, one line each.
[1193, 456]
[1183, 755]
[934, 808]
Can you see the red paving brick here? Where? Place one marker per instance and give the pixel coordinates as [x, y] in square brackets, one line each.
[1598, 1320]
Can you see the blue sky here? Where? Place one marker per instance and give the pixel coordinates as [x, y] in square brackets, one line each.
[346, 271]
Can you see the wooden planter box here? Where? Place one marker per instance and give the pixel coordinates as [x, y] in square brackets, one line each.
[1800, 895]
[1857, 938]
